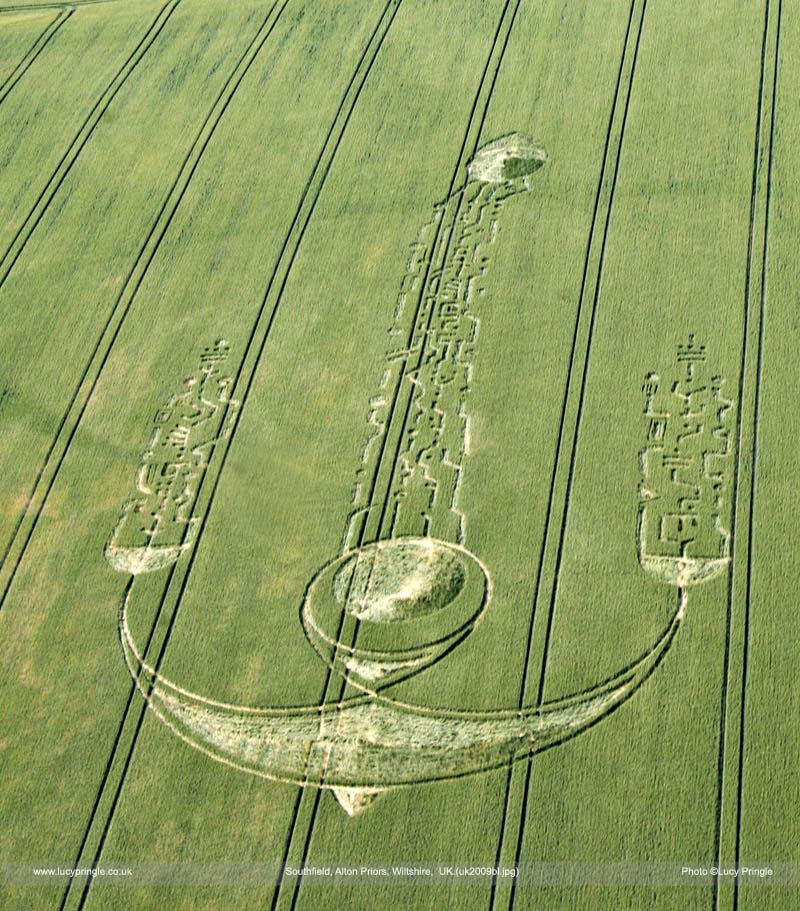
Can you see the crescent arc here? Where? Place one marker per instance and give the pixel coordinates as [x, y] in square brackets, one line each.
[369, 742]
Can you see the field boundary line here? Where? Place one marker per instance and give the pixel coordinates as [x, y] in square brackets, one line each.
[254, 349]
[728, 823]
[29, 58]
[518, 777]
[75, 4]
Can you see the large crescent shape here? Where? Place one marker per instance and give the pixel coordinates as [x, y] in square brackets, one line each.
[373, 742]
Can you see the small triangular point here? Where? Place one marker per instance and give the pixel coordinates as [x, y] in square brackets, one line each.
[355, 800]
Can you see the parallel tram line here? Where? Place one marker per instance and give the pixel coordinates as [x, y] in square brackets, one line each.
[101, 351]
[745, 361]
[29, 58]
[562, 421]
[469, 145]
[106, 773]
[162, 222]
[754, 481]
[585, 370]
[610, 164]
[78, 142]
[247, 367]
[735, 486]
[739, 594]
[29, 516]
[727, 656]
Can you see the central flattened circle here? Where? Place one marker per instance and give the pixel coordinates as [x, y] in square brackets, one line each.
[392, 581]
[389, 609]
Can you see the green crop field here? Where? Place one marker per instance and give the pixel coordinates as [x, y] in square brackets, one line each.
[397, 414]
